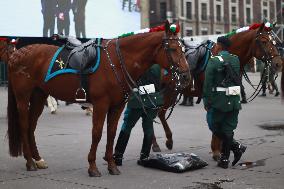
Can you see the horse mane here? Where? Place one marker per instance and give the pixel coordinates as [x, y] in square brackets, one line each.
[25, 51]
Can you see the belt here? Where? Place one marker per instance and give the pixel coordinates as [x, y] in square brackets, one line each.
[220, 89]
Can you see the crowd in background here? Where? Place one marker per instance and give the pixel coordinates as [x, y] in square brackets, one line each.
[57, 11]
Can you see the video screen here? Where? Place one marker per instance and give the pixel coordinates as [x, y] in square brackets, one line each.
[78, 18]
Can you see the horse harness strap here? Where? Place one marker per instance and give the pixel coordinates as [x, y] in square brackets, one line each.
[128, 78]
[115, 71]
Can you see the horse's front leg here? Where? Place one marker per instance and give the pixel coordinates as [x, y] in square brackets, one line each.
[112, 121]
[99, 114]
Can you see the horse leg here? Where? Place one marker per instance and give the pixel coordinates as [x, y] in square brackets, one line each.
[99, 114]
[162, 116]
[155, 145]
[112, 121]
[23, 109]
[36, 107]
[216, 147]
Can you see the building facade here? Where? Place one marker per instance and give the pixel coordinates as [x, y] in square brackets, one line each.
[210, 17]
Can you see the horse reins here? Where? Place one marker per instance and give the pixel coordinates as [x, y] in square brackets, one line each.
[129, 80]
[267, 59]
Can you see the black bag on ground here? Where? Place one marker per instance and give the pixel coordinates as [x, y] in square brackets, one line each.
[175, 162]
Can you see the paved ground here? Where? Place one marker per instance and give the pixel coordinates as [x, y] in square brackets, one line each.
[64, 141]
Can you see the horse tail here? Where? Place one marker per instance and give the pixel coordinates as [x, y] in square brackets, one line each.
[14, 135]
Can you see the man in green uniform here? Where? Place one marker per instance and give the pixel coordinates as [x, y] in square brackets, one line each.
[268, 77]
[149, 87]
[221, 97]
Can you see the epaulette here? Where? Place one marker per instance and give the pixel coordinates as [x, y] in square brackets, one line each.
[219, 57]
[234, 55]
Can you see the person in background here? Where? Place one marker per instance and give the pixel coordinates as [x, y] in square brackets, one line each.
[63, 18]
[267, 75]
[49, 13]
[221, 97]
[52, 104]
[78, 8]
[124, 3]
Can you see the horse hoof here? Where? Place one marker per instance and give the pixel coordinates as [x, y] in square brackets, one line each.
[41, 164]
[94, 173]
[156, 148]
[31, 167]
[169, 144]
[114, 171]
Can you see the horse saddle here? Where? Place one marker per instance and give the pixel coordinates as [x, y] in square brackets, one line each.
[194, 53]
[82, 56]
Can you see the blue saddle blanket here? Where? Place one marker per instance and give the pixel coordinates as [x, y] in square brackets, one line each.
[83, 58]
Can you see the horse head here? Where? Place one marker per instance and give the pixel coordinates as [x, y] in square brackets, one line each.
[7, 47]
[265, 47]
[171, 56]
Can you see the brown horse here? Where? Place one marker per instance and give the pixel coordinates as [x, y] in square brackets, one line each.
[258, 43]
[27, 90]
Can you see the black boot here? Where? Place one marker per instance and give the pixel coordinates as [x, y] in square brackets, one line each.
[223, 162]
[227, 140]
[190, 101]
[238, 150]
[120, 147]
[184, 100]
[146, 148]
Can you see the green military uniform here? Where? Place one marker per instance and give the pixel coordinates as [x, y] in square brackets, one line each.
[268, 76]
[222, 109]
[134, 111]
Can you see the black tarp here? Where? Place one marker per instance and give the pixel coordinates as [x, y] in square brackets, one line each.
[175, 162]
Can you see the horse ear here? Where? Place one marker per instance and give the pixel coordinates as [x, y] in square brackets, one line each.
[274, 24]
[261, 28]
[167, 26]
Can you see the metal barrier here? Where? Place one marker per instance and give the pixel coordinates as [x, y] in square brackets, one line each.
[3, 74]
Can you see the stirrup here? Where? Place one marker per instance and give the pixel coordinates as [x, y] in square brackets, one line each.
[81, 99]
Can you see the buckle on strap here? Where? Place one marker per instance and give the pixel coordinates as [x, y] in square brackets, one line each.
[219, 89]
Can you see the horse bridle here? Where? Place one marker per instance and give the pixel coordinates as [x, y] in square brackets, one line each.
[175, 72]
[131, 84]
[266, 59]
[267, 56]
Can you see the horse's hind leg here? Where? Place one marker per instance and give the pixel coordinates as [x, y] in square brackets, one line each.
[23, 98]
[162, 116]
[112, 121]
[155, 145]
[37, 102]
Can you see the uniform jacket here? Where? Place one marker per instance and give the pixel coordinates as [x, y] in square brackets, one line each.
[214, 75]
[152, 76]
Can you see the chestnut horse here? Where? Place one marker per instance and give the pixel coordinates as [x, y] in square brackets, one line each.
[108, 88]
[258, 43]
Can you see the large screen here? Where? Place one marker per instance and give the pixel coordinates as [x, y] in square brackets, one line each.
[81, 18]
